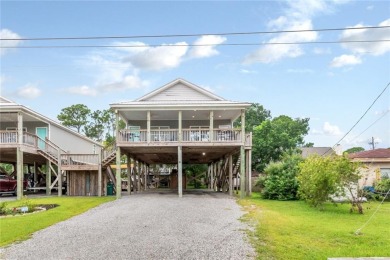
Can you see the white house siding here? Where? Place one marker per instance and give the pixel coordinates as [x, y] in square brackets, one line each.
[178, 92]
[71, 142]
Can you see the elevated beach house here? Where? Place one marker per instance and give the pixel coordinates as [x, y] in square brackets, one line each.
[181, 123]
[29, 140]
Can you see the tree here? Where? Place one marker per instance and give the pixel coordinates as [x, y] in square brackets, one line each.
[274, 137]
[354, 150]
[280, 182]
[95, 128]
[320, 177]
[74, 116]
[254, 116]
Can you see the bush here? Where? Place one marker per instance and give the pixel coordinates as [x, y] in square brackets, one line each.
[280, 182]
[382, 187]
[3, 208]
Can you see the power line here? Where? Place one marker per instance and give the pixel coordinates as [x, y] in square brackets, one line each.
[190, 35]
[360, 118]
[187, 45]
[382, 116]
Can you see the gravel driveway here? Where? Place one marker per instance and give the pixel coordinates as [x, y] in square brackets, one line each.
[145, 226]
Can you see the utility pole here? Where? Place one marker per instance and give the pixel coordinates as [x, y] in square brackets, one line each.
[372, 143]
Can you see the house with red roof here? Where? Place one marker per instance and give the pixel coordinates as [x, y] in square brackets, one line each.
[377, 165]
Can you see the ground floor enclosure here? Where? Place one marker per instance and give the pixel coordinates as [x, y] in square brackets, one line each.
[86, 183]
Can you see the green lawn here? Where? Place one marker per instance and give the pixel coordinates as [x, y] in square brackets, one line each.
[21, 227]
[294, 230]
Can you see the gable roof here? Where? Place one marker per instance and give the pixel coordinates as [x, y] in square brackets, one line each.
[371, 154]
[180, 90]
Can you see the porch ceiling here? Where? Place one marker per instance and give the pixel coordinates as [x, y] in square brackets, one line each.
[191, 154]
[193, 114]
[13, 117]
[8, 155]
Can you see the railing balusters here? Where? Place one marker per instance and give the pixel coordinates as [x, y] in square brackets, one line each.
[188, 135]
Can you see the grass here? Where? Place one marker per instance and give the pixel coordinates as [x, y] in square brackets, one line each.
[294, 230]
[19, 228]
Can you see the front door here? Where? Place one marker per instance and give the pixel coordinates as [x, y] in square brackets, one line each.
[42, 134]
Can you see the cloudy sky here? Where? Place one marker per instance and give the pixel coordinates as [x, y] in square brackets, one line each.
[331, 83]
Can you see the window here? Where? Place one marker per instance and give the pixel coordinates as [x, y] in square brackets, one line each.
[134, 133]
[385, 173]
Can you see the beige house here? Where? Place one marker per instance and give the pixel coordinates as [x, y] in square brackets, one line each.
[376, 165]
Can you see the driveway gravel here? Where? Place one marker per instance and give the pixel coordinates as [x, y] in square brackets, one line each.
[201, 225]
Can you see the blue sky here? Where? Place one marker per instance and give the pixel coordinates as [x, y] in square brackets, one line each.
[332, 84]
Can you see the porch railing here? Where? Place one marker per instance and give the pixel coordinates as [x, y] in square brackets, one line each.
[188, 135]
[79, 159]
[166, 135]
[8, 137]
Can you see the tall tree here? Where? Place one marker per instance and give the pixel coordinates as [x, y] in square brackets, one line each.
[96, 127]
[75, 116]
[274, 137]
[254, 116]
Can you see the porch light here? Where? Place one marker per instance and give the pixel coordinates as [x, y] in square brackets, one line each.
[203, 153]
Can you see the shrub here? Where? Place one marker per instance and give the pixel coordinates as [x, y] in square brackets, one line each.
[280, 182]
[382, 187]
[3, 208]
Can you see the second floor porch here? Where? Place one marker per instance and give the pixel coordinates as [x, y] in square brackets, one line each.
[193, 136]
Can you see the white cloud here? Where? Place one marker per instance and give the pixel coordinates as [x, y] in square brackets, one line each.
[206, 51]
[82, 90]
[244, 71]
[8, 34]
[329, 129]
[128, 82]
[320, 51]
[274, 52]
[381, 113]
[297, 16]
[158, 58]
[345, 60]
[370, 7]
[29, 91]
[316, 132]
[373, 48]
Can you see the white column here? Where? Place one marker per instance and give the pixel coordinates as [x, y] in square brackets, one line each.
[180, 134]
[145, 176]
[148, 126]
[179, 171]
[211, 134]
[243, 126]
